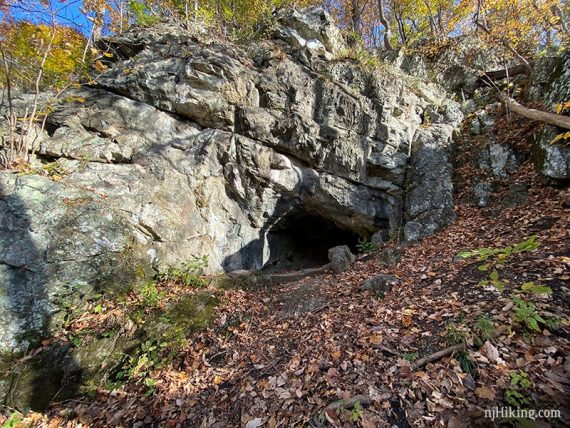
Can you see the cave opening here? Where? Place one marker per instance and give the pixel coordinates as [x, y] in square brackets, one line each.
[302, 240]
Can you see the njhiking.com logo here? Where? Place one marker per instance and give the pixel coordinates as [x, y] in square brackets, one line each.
[512, 413]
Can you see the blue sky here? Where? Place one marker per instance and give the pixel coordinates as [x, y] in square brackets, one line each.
[66, 13]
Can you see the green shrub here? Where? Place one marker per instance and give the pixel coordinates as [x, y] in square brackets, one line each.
[457, 334]
[189, 274]
[515, 395]
[485, 327]
[150, 294]
[366, 246]
[525, 314]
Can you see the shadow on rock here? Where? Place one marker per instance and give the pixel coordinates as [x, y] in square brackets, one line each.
[28, 379]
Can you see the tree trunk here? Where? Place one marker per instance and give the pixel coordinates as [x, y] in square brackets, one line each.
[432, 25]
[401, 30]
[385, 24]
[356, 17]
[558, 12]
[530, 113]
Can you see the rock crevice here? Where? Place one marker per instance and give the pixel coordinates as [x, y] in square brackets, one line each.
[187, 148]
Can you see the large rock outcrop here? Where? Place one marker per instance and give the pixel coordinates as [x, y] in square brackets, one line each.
[551, 84]
[185, 148]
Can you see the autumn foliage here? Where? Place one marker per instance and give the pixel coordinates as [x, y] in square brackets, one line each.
[518, 29]
[23, 45]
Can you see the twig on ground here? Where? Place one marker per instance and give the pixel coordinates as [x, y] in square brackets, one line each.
[349, 404]
[436, 356]
[388, 350]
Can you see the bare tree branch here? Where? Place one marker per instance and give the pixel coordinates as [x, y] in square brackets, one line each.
[506, 44]
[385, 24]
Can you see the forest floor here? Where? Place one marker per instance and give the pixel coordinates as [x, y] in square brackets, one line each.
[284, 355]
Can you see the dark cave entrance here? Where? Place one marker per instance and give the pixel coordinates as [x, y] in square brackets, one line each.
[302, 240]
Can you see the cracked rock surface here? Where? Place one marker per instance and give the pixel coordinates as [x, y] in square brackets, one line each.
[187, 148]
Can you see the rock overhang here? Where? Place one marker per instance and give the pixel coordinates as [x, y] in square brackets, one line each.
[195, 149]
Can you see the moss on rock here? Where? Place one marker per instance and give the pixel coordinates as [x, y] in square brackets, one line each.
[62, 371]
[188, 315]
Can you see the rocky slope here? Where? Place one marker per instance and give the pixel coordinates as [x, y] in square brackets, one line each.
[186, 147]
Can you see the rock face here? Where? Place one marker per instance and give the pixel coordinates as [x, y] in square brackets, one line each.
[551, 83]
[429, 200]
[187, 148]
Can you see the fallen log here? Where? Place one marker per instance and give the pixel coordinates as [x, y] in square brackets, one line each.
[530, 113]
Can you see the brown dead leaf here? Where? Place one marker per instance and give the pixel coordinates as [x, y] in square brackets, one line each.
[454, 422]
[485, 393]
[407, 320]
[332, 376]
[375, 339]
[491, 352]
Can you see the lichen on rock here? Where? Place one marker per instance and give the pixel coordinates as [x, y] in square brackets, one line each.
[184, 148]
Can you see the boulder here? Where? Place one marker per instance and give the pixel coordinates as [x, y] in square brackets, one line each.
[341, 258]
[551, 84]
[389, 256]
[315, 27]
[482, 193]
[380, 284]
[498, 159]
[381, 237]
[552, 160]
[482, 123]
[185, 148]
[64, 370]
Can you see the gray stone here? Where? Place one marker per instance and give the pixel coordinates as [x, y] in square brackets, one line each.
[429, 200]
[380, 284]
[486, 120]
[502, 159]
[499, 159]
[380, 237]
[452, 113]
[551, 78]
[341, 258]
[482, 123]
[389, 256]
[552, 160]
[314, 24]
[475, 127]
[189, 148]
[551, 84]
[468, 106]
[458, 68]
[414, 65]
[482, 194]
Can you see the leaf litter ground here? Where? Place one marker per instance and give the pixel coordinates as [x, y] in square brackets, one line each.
[279, 356]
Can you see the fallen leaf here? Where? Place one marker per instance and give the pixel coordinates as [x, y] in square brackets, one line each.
[491, 352]
[332, 376]
[254, 423]
[485, 393]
